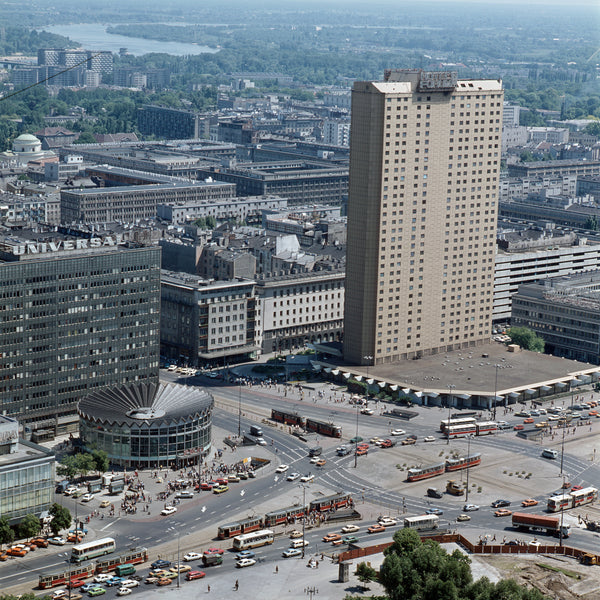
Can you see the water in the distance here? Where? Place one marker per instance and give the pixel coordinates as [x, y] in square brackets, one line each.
[93, 36]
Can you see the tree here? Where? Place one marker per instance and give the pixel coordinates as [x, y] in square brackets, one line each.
[29, 526]
[101, 462]
[85, 138]
[61, 518]
[593, 128]
[76, 464]
[7, 534]
[365, 573]
[527, 339]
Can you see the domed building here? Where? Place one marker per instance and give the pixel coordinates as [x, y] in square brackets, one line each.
[147, 425]
[25, 148]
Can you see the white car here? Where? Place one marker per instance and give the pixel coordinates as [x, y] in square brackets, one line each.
[291, 552]
[102, 577]
[245, 562]
[261, 441]
[282, 468]
[367, 411]
[314, 460]
[293, 476]
[57, 541]
[129, 583]
[306, 478]
[470, 507]
[397, 432]
[123, 591]
[387, 521]
[169, 510]
[350, 529]
[429, 438]
[192, 556]
[70, 490]
[60, 594]
[87, 497]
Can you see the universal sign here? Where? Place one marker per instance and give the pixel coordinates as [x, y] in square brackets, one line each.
[60, 245]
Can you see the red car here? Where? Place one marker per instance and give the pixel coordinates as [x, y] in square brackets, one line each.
[214, 551]
[206, 486]
[191, 575]
[75, 583]
[576, 487]
[518, 427]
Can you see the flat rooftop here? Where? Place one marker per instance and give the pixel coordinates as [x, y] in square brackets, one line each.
[473, 371]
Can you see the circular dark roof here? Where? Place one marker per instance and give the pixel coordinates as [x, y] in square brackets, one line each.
[145, 403]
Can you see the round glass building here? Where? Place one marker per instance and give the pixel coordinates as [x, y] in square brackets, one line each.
[147, 425]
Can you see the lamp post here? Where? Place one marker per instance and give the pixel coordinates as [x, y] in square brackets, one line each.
[495, 392]
[356, 442]
[303, 518]
[178, 553]
[240, 411]
[451, 388]
[368, 359]
[468, 469]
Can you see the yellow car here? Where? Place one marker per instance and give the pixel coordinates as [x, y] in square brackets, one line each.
[180, 568]
[105, 504]
[220, 489]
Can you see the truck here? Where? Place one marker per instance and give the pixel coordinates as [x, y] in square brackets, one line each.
[456, 488]
[255, 431]
[214, 559]
[540, 523]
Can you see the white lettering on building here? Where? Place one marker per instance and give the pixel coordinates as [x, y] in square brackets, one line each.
[60, 245]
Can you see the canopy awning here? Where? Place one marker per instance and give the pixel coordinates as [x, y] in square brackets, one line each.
[496, 398]
[335, 372]
[381, 384]
[393, 388]
[370, 381]
[545, 388]
[328, 370]
[530, 391]
[463, 396]
[406, 390]
[418, 394]
[561, 385]
[359, 378]
[576, 381]
[316, 367]
[432, 394]
[513, 395]
[347, 375]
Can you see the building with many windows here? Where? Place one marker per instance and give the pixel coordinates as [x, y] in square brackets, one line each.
[169, 123]
[424, 170]
[27, 474]
[76, 314]
[206, 320]
[565, 311]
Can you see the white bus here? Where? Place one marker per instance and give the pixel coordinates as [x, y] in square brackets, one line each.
[253, 540]
[81, 552]
[422, 522]
[445, 423]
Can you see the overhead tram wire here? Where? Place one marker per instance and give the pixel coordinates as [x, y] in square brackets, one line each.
[20, 91]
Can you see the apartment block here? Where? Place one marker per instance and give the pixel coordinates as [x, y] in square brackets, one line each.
[423, 191]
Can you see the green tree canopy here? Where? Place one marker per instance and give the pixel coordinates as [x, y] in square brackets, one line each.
[7, 534]
[29, 526]
[527, 339]
[61, 518]
[365, 573]
[101, 462]
[76, 464]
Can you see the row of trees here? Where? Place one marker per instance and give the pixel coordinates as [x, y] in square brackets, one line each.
[31, 525]
[83, 463]
[416, 570]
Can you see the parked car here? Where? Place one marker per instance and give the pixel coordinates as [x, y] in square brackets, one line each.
[57, 541]
[191, 575]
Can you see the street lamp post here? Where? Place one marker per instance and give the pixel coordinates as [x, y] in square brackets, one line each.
[368, 359]
[240, 411]
[468, 454]
[451, 388]
[356, 442]
[495, 391]
[178, 553]
[303, 518]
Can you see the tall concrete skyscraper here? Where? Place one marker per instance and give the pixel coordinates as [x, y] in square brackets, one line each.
[423, 193]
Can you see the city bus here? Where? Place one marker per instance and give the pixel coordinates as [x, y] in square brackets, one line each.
[422, 522]
[131, 557]
[48, 580]
[572, 499]
[88, 550]
[457, 421]
[486, 427]
[324, 428]
[462, 430]
[253, 540]
[239, 527]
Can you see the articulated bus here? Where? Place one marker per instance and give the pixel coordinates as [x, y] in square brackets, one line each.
[572, 499]
[244, 526]
[48, 580]
[422, 522]
[88, 550]
[445, 423]
[455, 431]
[131, 557]
[253, 540]
[324, 428]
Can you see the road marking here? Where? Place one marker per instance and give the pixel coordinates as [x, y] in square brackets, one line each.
[110, 524]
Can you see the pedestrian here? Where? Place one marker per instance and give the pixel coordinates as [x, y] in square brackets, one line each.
[236, 587]
[276, 569]
[208, 589]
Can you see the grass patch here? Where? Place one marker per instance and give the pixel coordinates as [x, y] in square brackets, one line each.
[566, 572]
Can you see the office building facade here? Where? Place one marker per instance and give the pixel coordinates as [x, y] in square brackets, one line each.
[77, 315]
[424, 170]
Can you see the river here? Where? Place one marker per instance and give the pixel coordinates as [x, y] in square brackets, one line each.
[93, 36]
